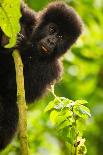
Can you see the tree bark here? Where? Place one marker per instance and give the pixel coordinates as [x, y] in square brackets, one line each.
[21, 103]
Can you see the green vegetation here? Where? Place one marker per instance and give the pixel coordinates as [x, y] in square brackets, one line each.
[82, 80]
[69, 119]
[9, 19]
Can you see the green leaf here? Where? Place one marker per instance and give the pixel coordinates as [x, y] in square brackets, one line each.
[70, 105]
[67, 101]
[64, 116]
[82, 111]
[64, 124]
[57, 103]
[80, 125]
[50, 106]
[71, 135]
[59, 106]
[53, 116]
[80, 102]
[73, 103]
[9, 19]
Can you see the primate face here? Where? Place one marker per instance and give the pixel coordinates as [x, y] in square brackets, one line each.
[51, 39]
[49, 42]
[57, 28]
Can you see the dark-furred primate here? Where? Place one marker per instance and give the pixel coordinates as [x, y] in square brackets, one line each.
[45, 36]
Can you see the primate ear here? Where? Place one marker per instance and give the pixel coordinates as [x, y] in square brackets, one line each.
[28, 15]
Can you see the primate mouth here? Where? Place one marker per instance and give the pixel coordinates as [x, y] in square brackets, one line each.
[44, 49]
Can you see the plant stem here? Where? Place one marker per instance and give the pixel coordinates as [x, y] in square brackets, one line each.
[21, 103]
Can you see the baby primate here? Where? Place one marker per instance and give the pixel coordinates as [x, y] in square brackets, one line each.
[44, 38]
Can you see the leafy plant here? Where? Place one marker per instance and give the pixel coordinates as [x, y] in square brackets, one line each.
[69, 119]
[9, 19]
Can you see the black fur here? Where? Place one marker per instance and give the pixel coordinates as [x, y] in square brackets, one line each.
[40, 69]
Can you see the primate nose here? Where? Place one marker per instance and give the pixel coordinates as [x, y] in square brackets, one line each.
[51, 41]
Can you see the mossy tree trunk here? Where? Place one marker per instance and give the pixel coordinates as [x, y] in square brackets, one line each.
[21, 103]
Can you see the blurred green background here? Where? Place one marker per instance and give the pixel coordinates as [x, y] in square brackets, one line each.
[82, 79]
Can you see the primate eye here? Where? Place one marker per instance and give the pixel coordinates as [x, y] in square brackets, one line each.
[52, 28]
[60, 37]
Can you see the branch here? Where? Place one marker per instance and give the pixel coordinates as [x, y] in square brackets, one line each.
[21, 103]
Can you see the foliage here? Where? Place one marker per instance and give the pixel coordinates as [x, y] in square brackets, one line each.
[9, 19]
[69, 117]
[82, 79]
